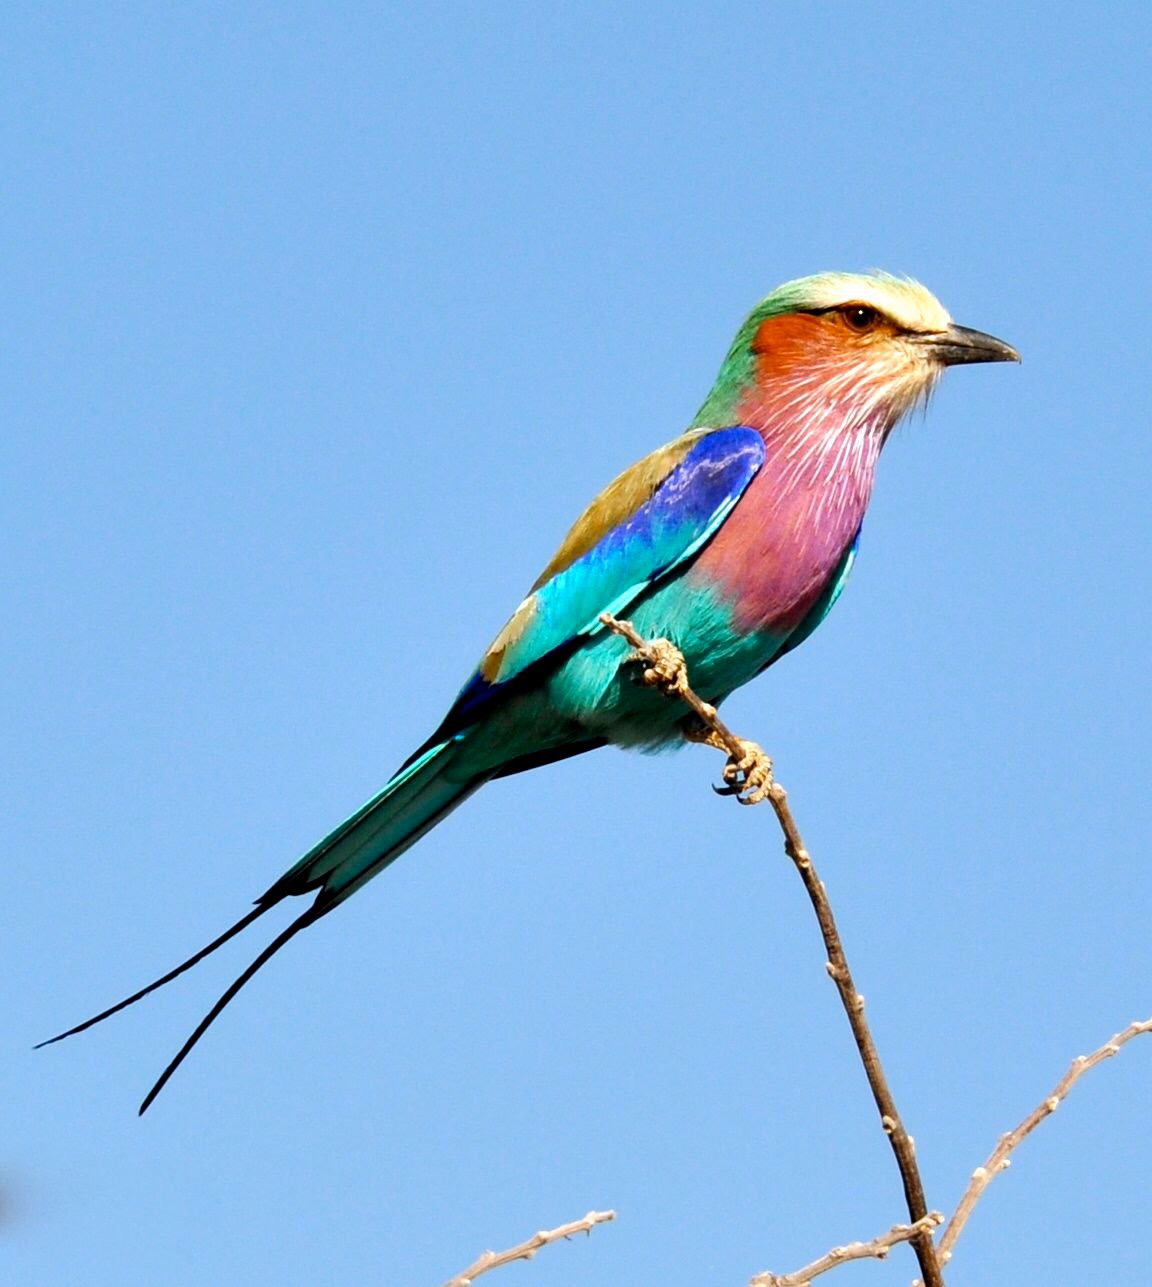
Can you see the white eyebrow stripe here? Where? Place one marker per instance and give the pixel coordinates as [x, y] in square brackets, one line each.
[906, 302]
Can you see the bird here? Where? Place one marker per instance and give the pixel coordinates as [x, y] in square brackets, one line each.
[732, 542]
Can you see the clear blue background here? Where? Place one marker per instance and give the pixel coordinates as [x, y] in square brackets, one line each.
[321, 322]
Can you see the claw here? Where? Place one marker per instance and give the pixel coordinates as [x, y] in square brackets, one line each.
[748, 776]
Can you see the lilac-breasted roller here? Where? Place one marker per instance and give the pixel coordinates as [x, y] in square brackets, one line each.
[732, 541]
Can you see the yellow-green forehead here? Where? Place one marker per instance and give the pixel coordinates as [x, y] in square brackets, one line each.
[905, 301]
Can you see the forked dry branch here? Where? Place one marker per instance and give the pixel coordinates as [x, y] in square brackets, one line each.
[748, 776]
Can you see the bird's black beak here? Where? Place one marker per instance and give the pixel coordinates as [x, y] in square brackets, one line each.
[959, 344]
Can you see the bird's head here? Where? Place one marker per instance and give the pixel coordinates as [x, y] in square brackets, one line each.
[867, 344]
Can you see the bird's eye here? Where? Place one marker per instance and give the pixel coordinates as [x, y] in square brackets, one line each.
[860, 317]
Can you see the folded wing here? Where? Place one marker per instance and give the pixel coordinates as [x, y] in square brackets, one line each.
[651, 520]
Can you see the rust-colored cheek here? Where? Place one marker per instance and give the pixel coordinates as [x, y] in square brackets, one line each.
[782, 344]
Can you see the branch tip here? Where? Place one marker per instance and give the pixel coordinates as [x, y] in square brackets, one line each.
[526, 1250]
[999, 1161]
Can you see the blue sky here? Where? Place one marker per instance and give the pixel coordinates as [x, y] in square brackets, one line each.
[321, 324]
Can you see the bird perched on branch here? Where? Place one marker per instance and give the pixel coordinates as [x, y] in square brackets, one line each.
[732, 542]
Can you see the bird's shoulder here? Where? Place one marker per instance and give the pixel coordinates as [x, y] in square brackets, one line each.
[631, 490]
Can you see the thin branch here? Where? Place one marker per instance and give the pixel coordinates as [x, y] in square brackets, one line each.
[877, 1249]
[527, 1249]
[999, 1160]
[665, 669]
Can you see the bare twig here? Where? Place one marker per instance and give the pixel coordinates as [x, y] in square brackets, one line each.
[666, 671]
[527, 1249]
[877, 1249]
[999, 1160]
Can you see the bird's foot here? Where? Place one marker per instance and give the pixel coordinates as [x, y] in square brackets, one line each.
[664, 666]
[747, 775]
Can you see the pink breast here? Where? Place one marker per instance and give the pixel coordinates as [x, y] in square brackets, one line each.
[775, 553]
